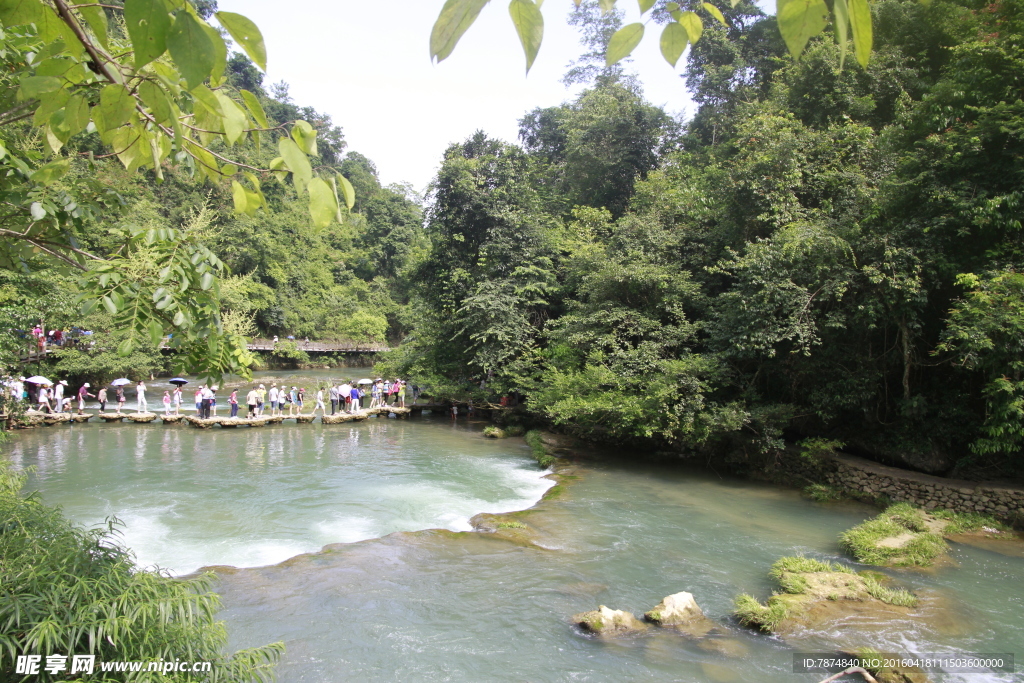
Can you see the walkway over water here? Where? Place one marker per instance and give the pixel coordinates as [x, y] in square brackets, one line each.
[314, 347]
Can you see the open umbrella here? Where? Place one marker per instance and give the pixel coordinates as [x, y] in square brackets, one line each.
[120, 382]
[36, 379]
[178, 380]
[365, 381]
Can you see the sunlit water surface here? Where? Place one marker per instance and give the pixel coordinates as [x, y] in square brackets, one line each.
[443, 606]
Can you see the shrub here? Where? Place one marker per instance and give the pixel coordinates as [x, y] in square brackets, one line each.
[540, 451]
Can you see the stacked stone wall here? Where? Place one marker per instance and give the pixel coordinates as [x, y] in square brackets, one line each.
[867, 479]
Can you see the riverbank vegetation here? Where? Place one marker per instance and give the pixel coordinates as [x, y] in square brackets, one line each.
[817, 253]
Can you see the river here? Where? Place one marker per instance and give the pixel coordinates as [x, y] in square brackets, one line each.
[404, 592]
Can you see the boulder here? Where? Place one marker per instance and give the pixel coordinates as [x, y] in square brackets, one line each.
[171, 419]
[608, 622]
[678, 608]
[112, 417]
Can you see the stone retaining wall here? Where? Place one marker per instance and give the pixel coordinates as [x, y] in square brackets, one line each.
[864, 478]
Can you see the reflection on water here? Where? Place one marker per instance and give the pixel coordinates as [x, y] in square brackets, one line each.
[248, 497]
[437, 605]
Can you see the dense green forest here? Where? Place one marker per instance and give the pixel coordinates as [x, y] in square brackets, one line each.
[818, 252]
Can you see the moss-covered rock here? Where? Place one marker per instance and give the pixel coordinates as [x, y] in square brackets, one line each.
[608, 622]
[492, 432]
[902, 536]
[816, 592]
[675, 609]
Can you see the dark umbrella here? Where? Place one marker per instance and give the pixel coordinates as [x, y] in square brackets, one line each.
[178, 381]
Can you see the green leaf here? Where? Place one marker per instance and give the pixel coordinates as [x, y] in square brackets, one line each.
[156, 331]
[715, 12]
[646, 5]
[529, 23]
[76, 114]
[234, 118]
[305, 137]
[51, 172]
[109, 305]
[220, 59]
[455, 18]
[693, 25]
[623, 42]
[348, 191]
[37, 211]
[841, 26]
[255, 109]
[20, 12]
[126, 347]
[33, 86]
[96, 18]
[606, 6]
[115, 108]
[296, 162]
[148, 24]
[191, 49]
[238, 196]
[206, 281]
[322, 205]
[860, 21]
[674, 40]
[159, 103]
[247, 35]
[799, 21]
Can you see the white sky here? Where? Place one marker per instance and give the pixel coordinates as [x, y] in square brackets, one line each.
[367, 65]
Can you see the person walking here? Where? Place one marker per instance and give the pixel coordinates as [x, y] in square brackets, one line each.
[140, 397]
[233, 402]
[167, 402]
[334, 398]
[274, 396]
[261, 395]
[199, 401]
[300, 399]
[176, 400]
[385, 391]
[353, 393]
[251, 400]
[205, 395]
[320, 403]
[415, 394]
[58, 395]
[43, 399]
[101, 396]
[401, 395]
[119, 394]
[213, 400]
[83, 393]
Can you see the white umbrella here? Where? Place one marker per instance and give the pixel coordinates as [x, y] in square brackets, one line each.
[365, 381]
[120, 382]
[36, 379]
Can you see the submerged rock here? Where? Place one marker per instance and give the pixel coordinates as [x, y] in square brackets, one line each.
[608, 622]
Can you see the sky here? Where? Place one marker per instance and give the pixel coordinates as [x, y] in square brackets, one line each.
[367, 64]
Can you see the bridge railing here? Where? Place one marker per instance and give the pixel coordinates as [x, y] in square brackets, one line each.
[320, 346]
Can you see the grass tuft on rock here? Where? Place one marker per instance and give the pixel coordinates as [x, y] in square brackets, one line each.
[540, 451]
[492, 432]
[509, 525]
[966, 522]
[823, 493]
[765, 617]
[899, 537]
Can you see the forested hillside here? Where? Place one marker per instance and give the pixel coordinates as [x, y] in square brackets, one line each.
[819, 252]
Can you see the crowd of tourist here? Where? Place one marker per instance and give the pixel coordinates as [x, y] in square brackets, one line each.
[346, 397]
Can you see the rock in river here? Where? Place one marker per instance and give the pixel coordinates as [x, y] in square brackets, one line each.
[607, 622]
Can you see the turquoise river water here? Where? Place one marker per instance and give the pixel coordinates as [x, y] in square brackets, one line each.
[403, 591]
